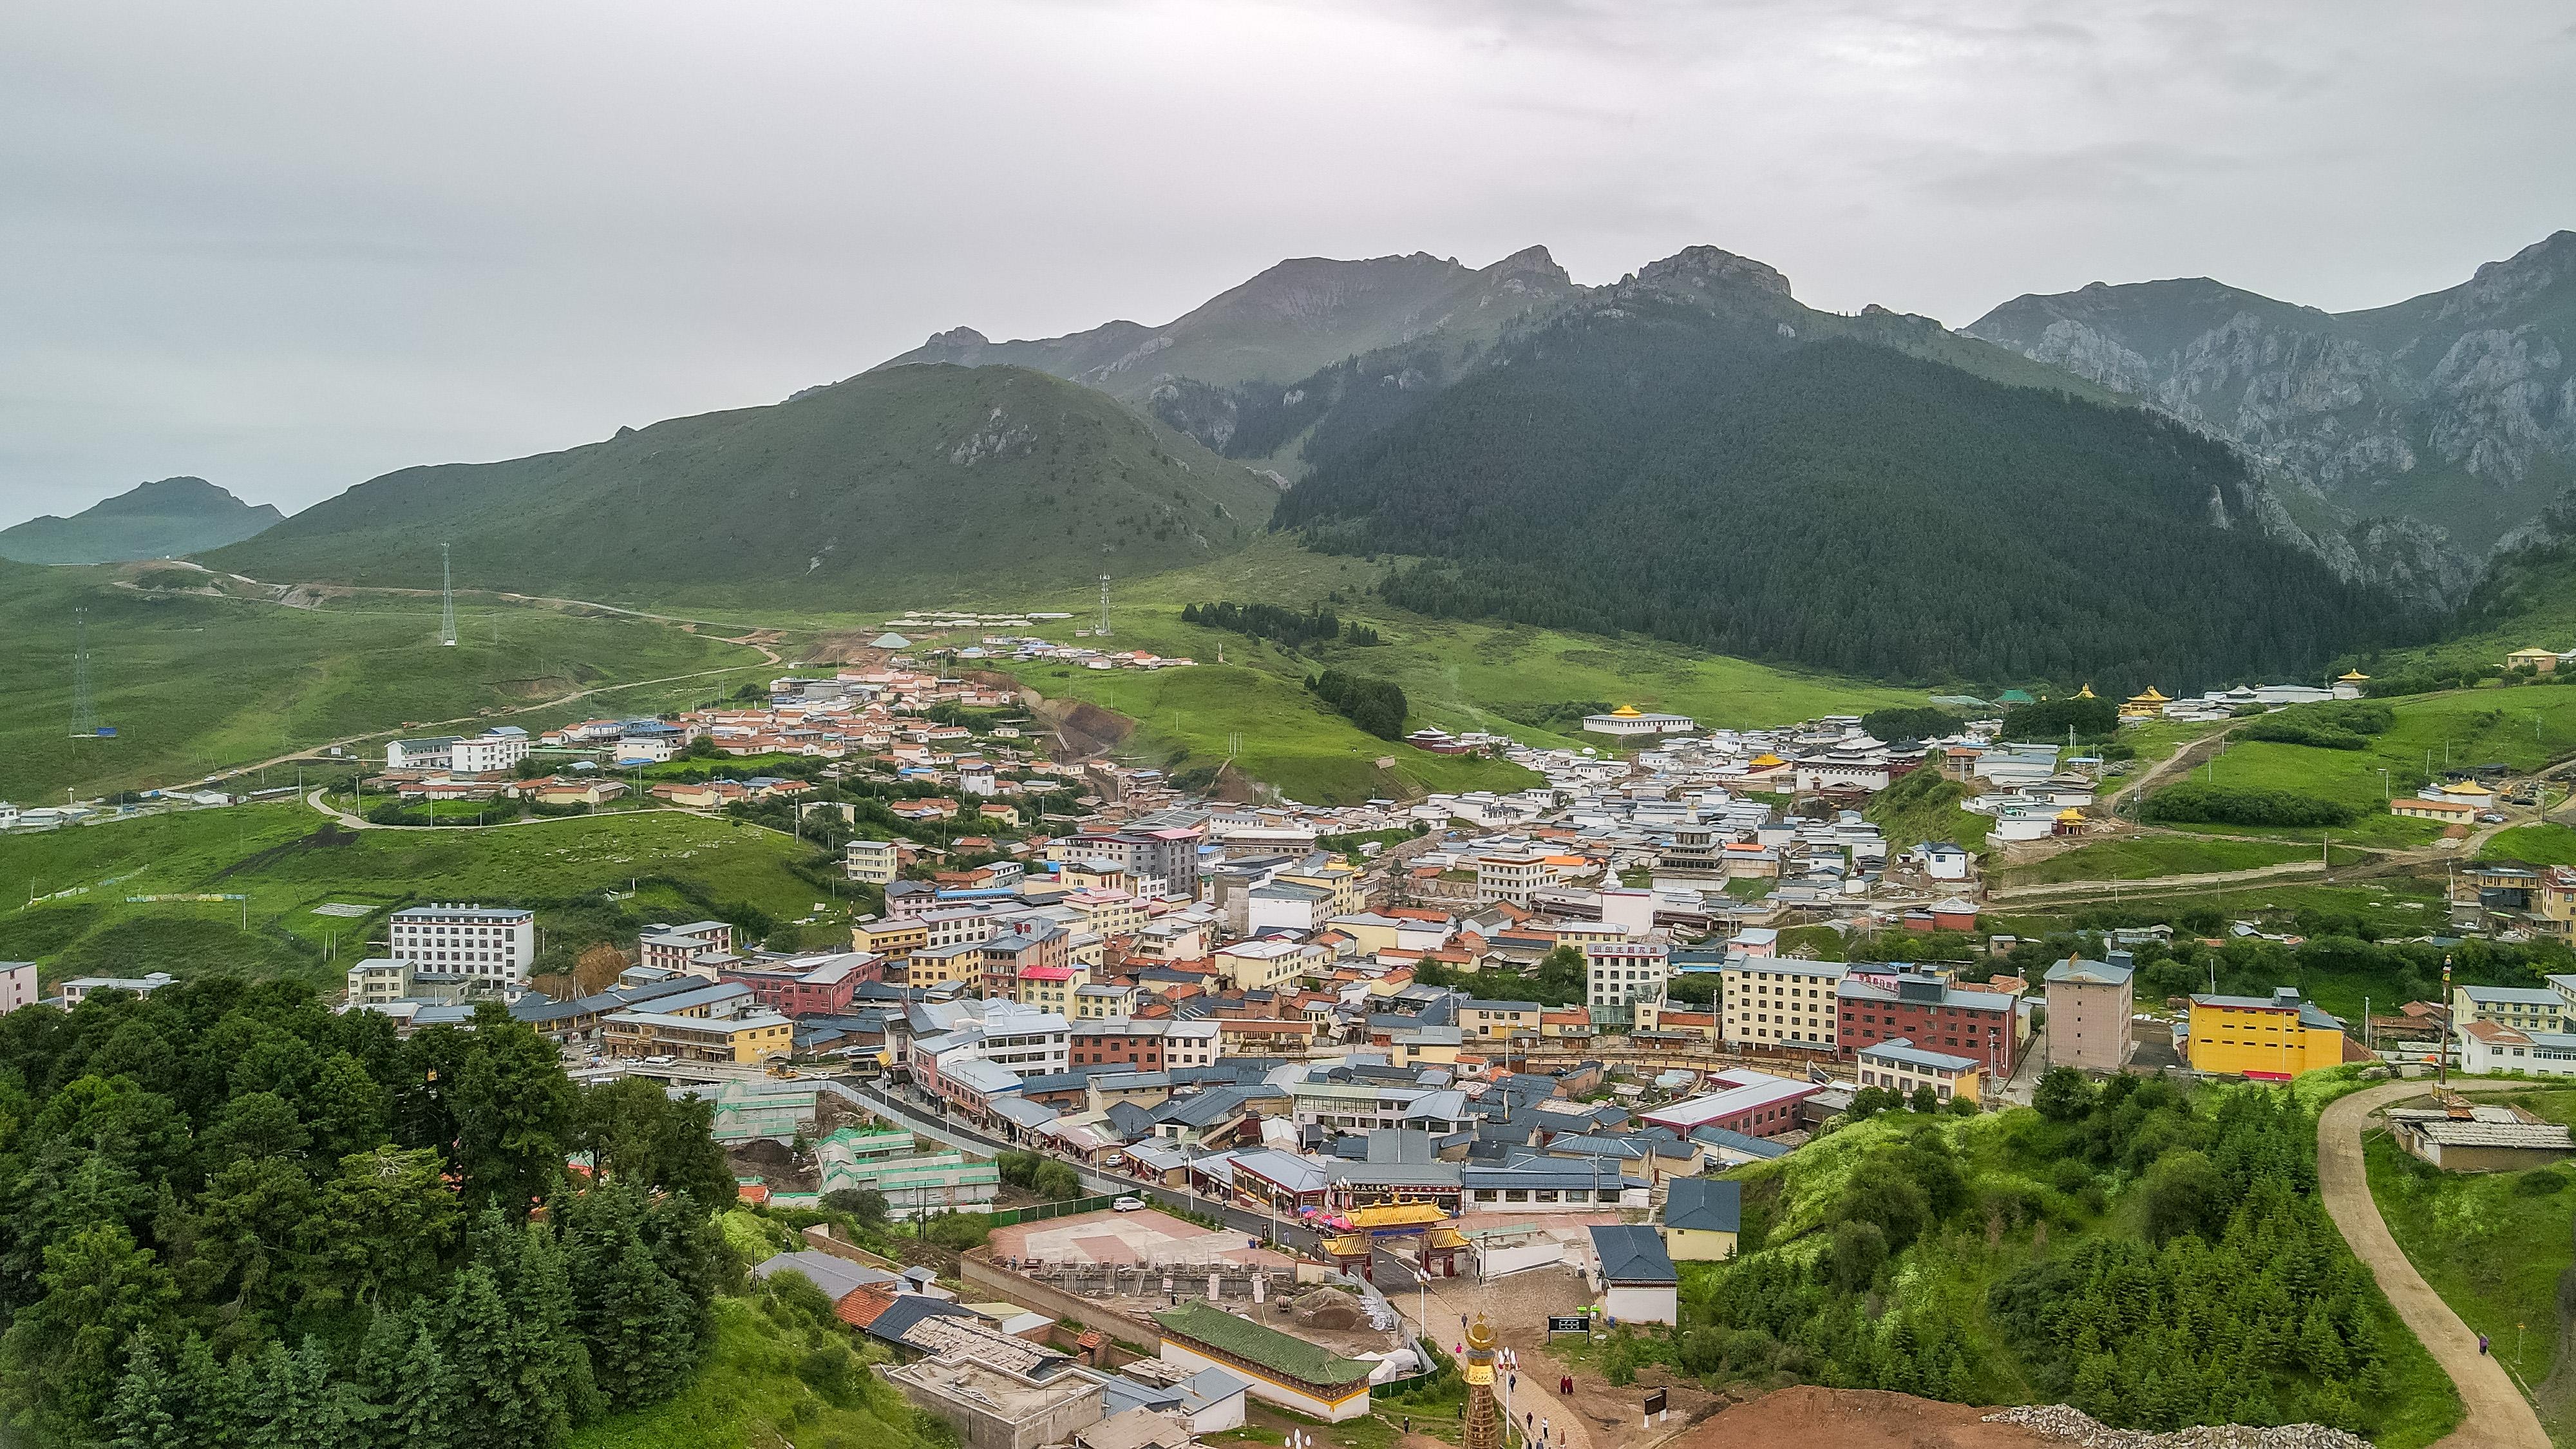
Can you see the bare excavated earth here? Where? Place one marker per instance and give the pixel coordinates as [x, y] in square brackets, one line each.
[1817, 1418]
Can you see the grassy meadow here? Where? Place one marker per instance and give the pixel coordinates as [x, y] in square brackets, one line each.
[1456, 675]
[67, 906]
[2520, 728]
[194, 684]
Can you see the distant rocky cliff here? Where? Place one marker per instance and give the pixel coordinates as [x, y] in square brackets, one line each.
[2422, 435]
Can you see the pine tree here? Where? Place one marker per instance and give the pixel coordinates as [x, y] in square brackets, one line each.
[423, 1409]
[140, 1416]
[646, 1334]
[481, 1350]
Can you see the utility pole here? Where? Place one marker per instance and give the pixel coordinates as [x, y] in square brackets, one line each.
[2442, 1056]
[447, 611]
[84, 715]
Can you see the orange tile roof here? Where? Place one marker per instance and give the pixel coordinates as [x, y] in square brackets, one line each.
[860, 1306]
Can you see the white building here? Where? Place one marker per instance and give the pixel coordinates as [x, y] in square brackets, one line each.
[378, 981]
[1779, 1002]
[877, 862]
[1623, 973]
[438, 752]
[1512, 875]
[490, 752]
[78, 989]
[1628, 722]
[2491, 1047]
[492, 946]
[17, 985]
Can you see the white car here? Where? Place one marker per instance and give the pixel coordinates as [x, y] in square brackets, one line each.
[1128, 1205]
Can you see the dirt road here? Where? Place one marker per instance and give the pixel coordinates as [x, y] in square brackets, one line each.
[2497, 1416]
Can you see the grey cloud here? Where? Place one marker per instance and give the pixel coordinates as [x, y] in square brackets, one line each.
[288, 244]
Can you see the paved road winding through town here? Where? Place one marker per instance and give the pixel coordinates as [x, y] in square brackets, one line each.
[2496, 1416]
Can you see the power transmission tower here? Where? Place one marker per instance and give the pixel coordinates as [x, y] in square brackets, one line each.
[447, 614]
[1103, 630]
[84, 714]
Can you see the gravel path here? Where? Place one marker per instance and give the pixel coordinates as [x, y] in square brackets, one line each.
[2497, 1417]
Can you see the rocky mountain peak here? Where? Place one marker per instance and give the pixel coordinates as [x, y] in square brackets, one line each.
[1692, 270]
[1530, 264]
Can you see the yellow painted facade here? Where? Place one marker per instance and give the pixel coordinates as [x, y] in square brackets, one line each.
[2231, 1036]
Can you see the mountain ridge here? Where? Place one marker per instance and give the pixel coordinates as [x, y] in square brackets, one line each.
[923, 484]
[2451, 411]
[165, 518]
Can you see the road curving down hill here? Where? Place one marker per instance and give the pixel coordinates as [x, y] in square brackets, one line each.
[2494, 1414]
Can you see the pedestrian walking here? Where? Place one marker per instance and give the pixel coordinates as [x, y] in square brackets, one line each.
[1565, 1385]
[2482, 1345]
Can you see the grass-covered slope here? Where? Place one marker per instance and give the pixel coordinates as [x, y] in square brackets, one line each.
[1456, 674]
[195, 682]
[151, 520]
[917, 485]
[1689, 463]
[65, 895]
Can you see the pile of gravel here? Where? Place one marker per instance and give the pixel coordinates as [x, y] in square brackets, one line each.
[2074, 1426]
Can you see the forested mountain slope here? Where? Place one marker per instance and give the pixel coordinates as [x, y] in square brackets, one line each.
[2454, 410]
[1678, 456]
[916, 485]
[166, 519]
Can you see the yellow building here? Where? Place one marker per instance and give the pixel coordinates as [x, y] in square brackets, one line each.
[752, 1037]
[931, 965]
[2274, 1037]
[889, 938]
[1702, 1216]
[1342, 880]
[2148, 705]
[2543, 661]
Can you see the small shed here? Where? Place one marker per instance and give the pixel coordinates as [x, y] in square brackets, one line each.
[1638, 1282]
[2485, 1139]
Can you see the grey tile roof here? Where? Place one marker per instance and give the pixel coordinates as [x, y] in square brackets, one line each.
[1632, 1253]
[1704, 1204]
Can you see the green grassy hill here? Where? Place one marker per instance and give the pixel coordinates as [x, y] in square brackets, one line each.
[2522, 728]
[66, 891]
[151, 520]
[915, 486]
[194, 683]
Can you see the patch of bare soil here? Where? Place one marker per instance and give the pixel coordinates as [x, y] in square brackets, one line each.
[1085, 728]
[772, 1164]
[1818, 1418]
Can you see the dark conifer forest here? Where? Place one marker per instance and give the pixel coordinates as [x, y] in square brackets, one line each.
[1704, 477]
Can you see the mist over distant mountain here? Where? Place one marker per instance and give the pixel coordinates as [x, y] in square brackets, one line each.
[165, 519]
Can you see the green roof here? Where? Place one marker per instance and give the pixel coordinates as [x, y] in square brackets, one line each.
[1261, 1347]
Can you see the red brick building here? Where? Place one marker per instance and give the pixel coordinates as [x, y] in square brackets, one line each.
[1926, 1009]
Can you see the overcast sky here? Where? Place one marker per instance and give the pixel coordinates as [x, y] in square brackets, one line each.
[290, 246]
